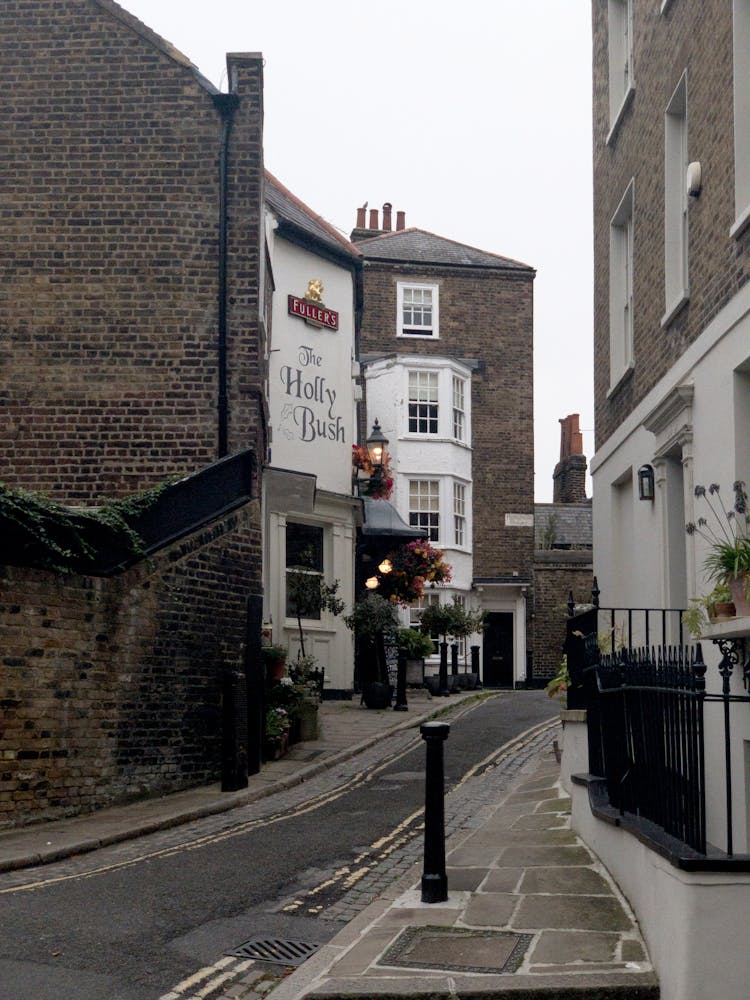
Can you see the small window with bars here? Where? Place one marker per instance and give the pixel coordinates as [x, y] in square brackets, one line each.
[459, 412]
[459, 514]
[423, 402]
[424, 506]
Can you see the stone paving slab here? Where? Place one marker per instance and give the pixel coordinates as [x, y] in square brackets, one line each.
[580, 941]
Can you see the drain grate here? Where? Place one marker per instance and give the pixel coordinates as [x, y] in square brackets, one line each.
[276, 950]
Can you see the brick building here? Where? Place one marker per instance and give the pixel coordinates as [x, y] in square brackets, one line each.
[671, 149]
[132, 351]
[562, 550]
[446, 353]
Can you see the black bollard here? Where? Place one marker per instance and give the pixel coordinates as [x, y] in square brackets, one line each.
[454, 659]
[475, 664]
[434, 877]
[401, 703]
[443, 675]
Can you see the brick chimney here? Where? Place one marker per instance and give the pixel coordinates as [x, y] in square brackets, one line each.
[569, 476]
[363, 232]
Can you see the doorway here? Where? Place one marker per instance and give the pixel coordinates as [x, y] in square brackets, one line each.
[497, 650]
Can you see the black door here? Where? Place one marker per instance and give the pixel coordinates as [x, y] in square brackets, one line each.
[498, 650]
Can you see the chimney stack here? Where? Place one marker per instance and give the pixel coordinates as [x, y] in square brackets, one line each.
[364, 232]
[570, 472]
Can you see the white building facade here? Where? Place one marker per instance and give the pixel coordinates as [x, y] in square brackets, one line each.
[310, 513]
[672, 371]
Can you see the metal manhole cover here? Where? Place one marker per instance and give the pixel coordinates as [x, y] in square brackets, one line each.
[276, 950]
[458, 950]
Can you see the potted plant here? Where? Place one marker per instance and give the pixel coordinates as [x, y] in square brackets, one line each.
[274, 658]
[308, 681]
[728, 559]
[702, 611]
[373, 620]
[415, 646]
[276, 733]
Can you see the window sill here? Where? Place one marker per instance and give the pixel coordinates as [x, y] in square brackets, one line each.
[626, 375]
[670, 314]
[417, 336]
[741, 223]
[615, 127]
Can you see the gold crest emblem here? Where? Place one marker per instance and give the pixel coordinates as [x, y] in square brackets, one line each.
[314, 291]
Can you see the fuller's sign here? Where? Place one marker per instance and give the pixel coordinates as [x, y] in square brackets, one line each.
[311, 308]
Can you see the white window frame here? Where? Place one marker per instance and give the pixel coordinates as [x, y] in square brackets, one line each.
[621, 360]
[429, 331]
[424, 506]
[620, 46]
[676, 287]
[741, 35]
[459, 515]
[318, 572]
[459, 408]
[415, 614]
[424, 397]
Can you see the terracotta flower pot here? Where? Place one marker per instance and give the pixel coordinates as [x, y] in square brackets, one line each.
[737, 588]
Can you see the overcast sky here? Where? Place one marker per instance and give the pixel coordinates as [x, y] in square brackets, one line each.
[474, 118]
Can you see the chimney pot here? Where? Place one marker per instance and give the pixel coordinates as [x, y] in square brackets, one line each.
[400, 220]
[387, 216]
[361, 217]
[374, 218]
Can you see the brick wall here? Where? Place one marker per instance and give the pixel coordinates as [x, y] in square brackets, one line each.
[697, 37]
[487, 316]
[110, 688]
[109, 224]
[556, 574]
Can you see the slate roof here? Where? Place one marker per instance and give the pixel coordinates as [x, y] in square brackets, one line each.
[417, 245]
[301, 219]
[572, 523]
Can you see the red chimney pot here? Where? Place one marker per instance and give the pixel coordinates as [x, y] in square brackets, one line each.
[400, 220]
[387, 216]
[374, 218]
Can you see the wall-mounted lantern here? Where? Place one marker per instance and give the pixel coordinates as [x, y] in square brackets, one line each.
[646, 482]
[372, 583]
[376, 444]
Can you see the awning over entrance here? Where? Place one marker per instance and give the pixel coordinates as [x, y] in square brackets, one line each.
[382, 519]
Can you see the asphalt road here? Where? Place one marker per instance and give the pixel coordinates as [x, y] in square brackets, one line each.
[130, 922]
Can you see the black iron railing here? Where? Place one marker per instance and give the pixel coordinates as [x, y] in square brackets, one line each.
[645, 705]
[649, 737]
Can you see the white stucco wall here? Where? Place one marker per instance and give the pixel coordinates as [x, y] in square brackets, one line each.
[311, 391]
[712, 433]
[312, 417]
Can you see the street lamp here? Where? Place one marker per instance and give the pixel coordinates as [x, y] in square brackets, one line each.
[376, 444]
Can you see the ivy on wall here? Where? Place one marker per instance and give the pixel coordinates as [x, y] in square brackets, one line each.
[40, 532]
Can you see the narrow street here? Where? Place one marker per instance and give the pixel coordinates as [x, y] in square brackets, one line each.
[132, 922]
